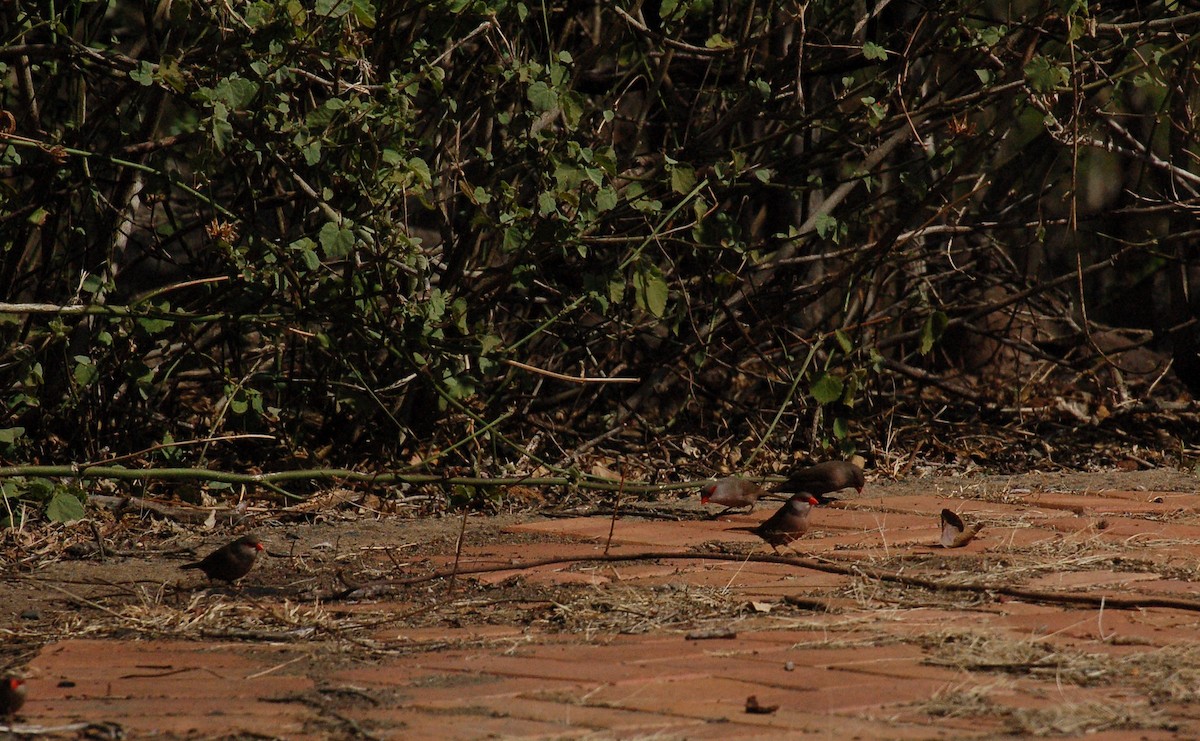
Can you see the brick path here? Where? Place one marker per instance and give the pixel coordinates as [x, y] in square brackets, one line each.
[886, 663]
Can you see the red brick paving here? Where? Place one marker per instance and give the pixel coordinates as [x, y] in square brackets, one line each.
[166, 687]
[870, 671]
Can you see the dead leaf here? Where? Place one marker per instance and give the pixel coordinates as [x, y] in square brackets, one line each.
[754, 708]
[955, 533]
[604, 472]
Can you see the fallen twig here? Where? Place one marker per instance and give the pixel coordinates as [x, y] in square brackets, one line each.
[194, 515]
[1119, 602]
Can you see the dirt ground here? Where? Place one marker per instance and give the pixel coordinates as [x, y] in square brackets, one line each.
[1071, 614]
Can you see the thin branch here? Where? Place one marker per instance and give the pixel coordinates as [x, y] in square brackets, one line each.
[1120, 602]
[570, 379]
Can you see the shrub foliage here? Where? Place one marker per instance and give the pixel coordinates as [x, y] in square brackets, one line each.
[367, 230]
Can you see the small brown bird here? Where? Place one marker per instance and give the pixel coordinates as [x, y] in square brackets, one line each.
[733, 492]
[955, 534]
[12, 696]
[822, 479]
[786, 525]
[230, 562]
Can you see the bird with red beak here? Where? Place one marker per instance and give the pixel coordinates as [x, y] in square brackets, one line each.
[734, 492]
[12, 696]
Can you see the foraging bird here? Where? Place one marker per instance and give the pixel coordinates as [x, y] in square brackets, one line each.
[12, 696]
[733, 492]
[954, 533]
[230, 562]
[822, 479]
[786, 525]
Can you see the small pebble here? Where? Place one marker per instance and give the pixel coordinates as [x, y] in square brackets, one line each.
[789, 666]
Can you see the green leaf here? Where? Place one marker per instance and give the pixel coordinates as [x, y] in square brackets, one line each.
[572, 108]
[488, 343]
[236, 92]
[841, 428]
[92, 283]
[616, 291]
[567, 176]
[65, 507]
[143, 75]
[1045, 75]
[542, 97]
[85, 372]
[305, 246]
[169, 72]
[650, 289]
[312, 153]
[419, 169]
[153, 325]
[683, 179]
[877, 360]
[826, 388]
[335, 241]
[874, 52]
[436, 306]
[717, 41]
[364, 12]
[222, 131]
[606, 199]
[10, 435]
[852, 384]
[515, 238]
[332, 8]
[459, 387]
[843, 341]
[932, 331]
[458, 310]
[827, 226]
[992, 35]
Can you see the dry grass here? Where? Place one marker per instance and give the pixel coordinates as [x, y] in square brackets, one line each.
[1088, 717]
[1059, 719]
[665, 608]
